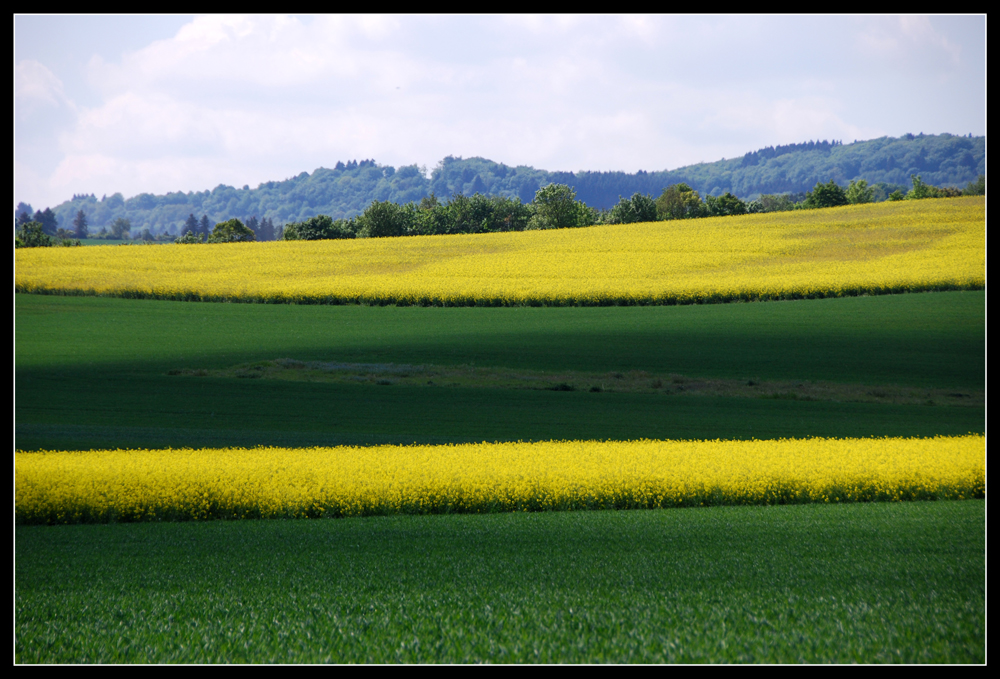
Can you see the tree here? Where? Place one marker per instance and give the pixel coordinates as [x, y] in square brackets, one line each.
[429, 202]
[233, 231]
[80, 224]
[189, 238]
[976, 188]
[859, 192]
[120, 228]
[23, 218]
[678, 201]
[506, 214]
[191, 226]
[638, 208]
[385, 219]
[920, 190]
[205, 227]
[555, 207]
[266, 230]
[776, 203]
[48, 220]
[725, 205]
[825, 195]
[320, 227]
[31, 235]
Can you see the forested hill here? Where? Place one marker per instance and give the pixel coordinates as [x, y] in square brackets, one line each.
[347, 189]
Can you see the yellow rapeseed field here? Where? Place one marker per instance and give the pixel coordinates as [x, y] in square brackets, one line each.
[863, 249]
[151, 485]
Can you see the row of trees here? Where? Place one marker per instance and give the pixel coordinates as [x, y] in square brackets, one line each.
[32, 235]
[204, 231]
[346, 189]
[230, 231]
[49, 225]
[555, 206]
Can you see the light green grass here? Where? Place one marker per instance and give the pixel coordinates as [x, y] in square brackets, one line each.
[847, 583]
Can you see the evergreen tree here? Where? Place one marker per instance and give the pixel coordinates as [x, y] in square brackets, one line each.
[266, 230]
[191, 225]
[48, 220]
[80, 225]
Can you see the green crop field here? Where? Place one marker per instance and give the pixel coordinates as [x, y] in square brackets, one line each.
[845, 583]
[865, 583]
[94, 372]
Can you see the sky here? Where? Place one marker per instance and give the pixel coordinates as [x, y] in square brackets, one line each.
[154, 104]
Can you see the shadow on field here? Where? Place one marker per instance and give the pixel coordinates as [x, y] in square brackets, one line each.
[92, 372]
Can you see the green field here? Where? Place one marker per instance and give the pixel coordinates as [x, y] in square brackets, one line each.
[93, 372]
[846, 583]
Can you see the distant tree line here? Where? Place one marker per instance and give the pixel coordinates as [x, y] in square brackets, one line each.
[555, 206]
[345, 191]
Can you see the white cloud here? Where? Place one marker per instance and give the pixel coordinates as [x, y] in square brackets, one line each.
[908, 41]
[35, 84]
[244, 99]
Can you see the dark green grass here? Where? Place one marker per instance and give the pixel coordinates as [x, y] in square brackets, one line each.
[843, 583]
[91, 372]
[163, 411]
[929, 339]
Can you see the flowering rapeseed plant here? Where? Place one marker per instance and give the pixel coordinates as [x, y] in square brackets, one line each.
[231, 483]
[859, 249]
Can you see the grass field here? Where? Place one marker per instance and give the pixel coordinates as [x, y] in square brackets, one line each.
[93, 372]
[846, 583]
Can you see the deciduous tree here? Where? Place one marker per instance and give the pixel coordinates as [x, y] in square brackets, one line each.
[825, 195]
[638, 208]
[555, 207]
[31, 235]
[120, 228]
[232, 231]
[384, 218]
[679, 201]
[859, 192]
